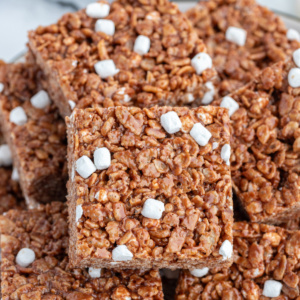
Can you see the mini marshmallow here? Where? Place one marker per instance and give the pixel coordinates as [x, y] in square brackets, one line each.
[102, 158]
[209, 95]
[153, 209]
[5, 156]
[296, 57]
[225, 153]
[236, 35]
[72, 104]
[190, 97]
[226, 250]
[121, 253]
[215, 145]
[294, 78]
[106, 68]
[293, 35]
[15, 175]
[79, 212]
[200, 134]
[40, 100]
[142, 45]
[18, 116]
[1, 87]
[95, 273]
[201, 62]
[85, 167]
[25, 257]
[230, 104]
[127, 298]
[97, 10]
[105, 26]
[170, 122]
[272, 288]
[199, 272]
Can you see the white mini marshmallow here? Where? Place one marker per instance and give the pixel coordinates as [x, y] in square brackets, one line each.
[201, 62]
[293, 35]
[236, 35]
[153, 209]
[97, 10]
[85, 167]
[40, 100]
[15, 175]
[105, 26]
[79, 212]
[199, 272]
[209, 95]
[121, 253]
[72, 104]
[226, 250]
[272, 288]
[190, 97]
[230, 104]
[200, 134]
[106, 68]
[294, 78]
[225, 153]
[5, 156]
[102, 158]
[1, 87]
[95, 273]
[170, 122]
[25, 257]
[296, 57]
[215, 145]
[18, 116]
[142, 45]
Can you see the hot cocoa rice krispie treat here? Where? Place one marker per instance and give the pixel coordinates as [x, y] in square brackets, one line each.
[35, 263]
[149, 187]
[132, 52]
[243, 38]
[35, 133]
[266, 266]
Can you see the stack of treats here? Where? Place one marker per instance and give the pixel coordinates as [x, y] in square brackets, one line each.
[152, 154]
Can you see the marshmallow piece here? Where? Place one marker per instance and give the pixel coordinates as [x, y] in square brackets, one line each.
[209, 95]
[236, 35]
[72, 104]
[5, 156]
[15, 175]
[121, 91]
[79, 212]
[200, 134]
[1, 87]
[97, 10]
[225, 153]
[296, 57]
[106, 68]
[127, 298]
[294, 78]
[95, 273]
[121, 253]
[215, 145]
[85, 167]
[102, 158]
[272, 288]
[190, 97]
[25, 257]
[199, 272]
[226, 250]
[40, 100]
[142, 45]
[153, 209]
[201, 62]
[105, 26]
[293, 35]
[18, 116]
[230, 104]
[170, 122]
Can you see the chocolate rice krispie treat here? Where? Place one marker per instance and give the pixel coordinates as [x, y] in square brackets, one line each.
[149, 187]
[35, 133]
[266, 266]
[130, 53]
[35, 263]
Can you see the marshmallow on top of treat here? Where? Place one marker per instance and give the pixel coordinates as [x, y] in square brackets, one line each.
[79, 212]
[201, 62]
[230, 104]
[215, 145]
[121, 253]
[296, 57]
[153, 209]
[293, 35]
[25, 257]
[236, 35]
[40, 100]
[102, 158]
[209, 95]
[1, 87]
[85, 167]
[225, 153]
[226, 250]
[170, 122]
[106, 68]
[5, 156]
[272, 288]
[142, 45]
[15, 175]
[18, 116]
[199, 272]
[105, 26]
[294, 77]
[97, 10]
[94, 273]
[200, 134]
[72, 104]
